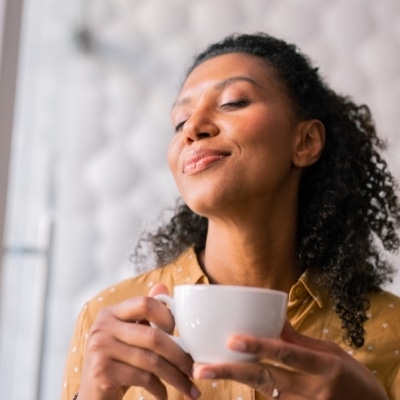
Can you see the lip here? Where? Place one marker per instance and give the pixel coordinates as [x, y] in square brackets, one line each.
[198, 160]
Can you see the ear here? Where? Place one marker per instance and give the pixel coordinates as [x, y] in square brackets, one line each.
[309, 143]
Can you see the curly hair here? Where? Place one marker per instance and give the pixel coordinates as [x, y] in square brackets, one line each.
[348, 207]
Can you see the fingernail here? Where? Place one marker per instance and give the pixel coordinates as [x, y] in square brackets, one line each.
[194, 392]
[238, 345]
[199, 373]
[206, 375]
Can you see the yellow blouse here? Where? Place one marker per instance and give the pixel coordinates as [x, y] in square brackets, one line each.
[308, 312]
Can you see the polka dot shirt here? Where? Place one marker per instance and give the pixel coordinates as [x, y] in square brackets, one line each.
[308, 311]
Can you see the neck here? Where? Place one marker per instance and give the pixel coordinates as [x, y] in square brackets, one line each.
[252, 254]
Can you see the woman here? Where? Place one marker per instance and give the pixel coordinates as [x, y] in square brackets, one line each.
[283, 187]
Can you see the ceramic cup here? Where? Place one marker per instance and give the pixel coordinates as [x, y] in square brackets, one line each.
[207, 315]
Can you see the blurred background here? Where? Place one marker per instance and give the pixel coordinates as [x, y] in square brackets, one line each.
[86, 88]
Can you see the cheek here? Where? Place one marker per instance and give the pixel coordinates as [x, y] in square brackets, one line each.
[270, 145]
[173, 156]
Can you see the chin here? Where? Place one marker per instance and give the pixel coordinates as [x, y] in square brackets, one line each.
[207, 209]
[205, 199]
[197, 208]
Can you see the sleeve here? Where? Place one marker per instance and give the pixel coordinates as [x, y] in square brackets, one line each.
[74, 363]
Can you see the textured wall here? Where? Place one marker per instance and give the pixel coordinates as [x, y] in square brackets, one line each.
[104, 108]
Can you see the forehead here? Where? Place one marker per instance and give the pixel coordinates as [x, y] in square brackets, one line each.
[225, 66]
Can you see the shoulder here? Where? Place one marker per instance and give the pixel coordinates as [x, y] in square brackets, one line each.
[383, 325]
[381, 352]
[383, 316]
[184, 270]
[384, 305]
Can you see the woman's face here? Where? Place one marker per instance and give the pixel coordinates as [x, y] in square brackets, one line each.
[234, 137]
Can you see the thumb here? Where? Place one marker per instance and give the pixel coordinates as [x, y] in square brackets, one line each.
[165, 322]
[289, 334]
[159, 288]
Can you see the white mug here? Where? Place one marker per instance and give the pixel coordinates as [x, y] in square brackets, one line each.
[207, 315]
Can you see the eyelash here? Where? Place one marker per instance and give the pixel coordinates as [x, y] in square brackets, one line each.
[239, 103]
[179, 126]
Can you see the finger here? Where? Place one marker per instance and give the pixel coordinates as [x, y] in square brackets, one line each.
[143, 309]
[149, 382]
[262, 377]
[107, 326]
[289, 334]
[159, 288]
[292, 355]
[148, 367]
[157, 341]
[119, 374]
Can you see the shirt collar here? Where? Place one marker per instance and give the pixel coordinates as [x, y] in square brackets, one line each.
[187, 269]
[316, 292]
[194, 274]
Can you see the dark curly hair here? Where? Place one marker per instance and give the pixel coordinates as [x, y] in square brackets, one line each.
[348, 207]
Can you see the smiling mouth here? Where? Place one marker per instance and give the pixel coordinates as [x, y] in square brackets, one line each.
[201, 160]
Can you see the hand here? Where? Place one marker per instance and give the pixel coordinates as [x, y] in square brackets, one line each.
[314, 369]
[123, 351]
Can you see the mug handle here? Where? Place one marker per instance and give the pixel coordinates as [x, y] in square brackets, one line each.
[169, 301]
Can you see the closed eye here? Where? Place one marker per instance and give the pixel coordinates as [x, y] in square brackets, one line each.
[179, 126]
[235, 104]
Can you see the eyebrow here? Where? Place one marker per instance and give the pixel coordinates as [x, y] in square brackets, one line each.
[220, 85]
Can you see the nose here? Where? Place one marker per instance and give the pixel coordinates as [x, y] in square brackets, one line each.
[200, 125]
